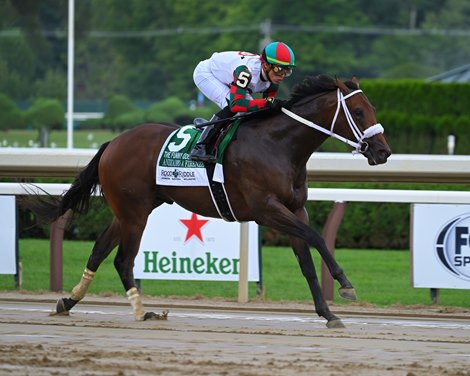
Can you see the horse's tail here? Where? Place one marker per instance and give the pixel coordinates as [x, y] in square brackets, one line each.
[77, 198]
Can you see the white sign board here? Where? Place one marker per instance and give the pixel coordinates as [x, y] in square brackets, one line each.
[7, 235]
[441, 246]
[180, 245]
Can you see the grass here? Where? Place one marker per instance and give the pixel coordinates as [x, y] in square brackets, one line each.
[380, 277]
[81, 139]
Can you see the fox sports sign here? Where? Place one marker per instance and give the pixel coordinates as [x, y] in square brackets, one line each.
[453, 246]
[441, 246]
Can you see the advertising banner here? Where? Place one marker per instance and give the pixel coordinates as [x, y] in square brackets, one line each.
[441, 246]
[7, 235]
[180, 245]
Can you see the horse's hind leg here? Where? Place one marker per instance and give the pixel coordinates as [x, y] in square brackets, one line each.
[105, 243]
[131, 234]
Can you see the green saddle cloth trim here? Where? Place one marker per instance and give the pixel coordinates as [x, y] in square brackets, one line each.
[226, 140]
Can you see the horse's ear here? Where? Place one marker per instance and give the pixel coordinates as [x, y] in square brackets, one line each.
[341, 85]
[355, 81]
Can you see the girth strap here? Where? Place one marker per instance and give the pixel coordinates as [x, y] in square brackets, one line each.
[219, 195]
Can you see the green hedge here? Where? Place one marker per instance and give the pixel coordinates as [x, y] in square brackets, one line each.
[418, 116]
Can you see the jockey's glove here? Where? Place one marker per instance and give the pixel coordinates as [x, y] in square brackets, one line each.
[275, 104]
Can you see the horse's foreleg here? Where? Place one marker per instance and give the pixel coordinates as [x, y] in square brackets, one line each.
[105, 243]
[302, 252]
[296, 224]
[304, 257]
[346, 290]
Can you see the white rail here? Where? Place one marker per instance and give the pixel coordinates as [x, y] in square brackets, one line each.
[34, 162]
[314, 194]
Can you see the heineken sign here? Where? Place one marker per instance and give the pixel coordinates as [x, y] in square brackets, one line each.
[181, 245]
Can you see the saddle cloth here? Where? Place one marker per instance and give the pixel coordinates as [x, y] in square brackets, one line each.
[174, 166]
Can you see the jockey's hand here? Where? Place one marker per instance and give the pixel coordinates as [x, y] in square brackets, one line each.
[273, 103]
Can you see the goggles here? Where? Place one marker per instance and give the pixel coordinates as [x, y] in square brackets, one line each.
[280, 70]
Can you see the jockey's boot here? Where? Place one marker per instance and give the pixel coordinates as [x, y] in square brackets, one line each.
[199, 153]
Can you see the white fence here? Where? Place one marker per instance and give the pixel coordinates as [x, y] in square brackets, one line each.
[331, 167]
[314, 194]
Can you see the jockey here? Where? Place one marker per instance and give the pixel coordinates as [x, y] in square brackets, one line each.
[229, 78]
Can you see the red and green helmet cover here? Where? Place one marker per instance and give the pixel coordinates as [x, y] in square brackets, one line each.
[278, 53]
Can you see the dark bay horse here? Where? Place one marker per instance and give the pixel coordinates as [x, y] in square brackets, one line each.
[265, 179]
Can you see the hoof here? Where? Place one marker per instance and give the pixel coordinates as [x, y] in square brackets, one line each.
[348, 293]
[335, 324]
[155, 316]
[60, 309]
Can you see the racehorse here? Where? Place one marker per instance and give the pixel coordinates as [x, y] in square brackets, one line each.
[265, 180]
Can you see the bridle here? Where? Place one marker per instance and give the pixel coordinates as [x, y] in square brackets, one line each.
[360, 146]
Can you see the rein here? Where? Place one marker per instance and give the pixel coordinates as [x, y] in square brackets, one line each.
[360, 146]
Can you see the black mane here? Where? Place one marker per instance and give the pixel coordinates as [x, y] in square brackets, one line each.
[313, 85]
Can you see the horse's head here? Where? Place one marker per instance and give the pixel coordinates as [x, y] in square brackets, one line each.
[360, 123]
[342, 111]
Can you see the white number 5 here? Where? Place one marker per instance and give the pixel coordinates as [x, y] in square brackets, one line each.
[243, 79]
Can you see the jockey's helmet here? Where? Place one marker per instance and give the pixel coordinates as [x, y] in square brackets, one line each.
[278, 53]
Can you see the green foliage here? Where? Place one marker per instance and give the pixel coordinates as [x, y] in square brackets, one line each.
[166, 110]
[79, 227]
[129, 120]
[91, 225]
[91, 124]
[53, 86]
[348, 37]
[10, 116]
[46, 113]
[118, 105]
[425, 112]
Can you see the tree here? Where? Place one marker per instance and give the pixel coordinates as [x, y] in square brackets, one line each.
[45, 115]
[10, 116]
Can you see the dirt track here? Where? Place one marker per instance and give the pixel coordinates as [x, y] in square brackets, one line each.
[223, 338]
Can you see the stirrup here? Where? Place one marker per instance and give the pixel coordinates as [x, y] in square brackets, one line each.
[199, 121]
[199, 153]
[209, 158]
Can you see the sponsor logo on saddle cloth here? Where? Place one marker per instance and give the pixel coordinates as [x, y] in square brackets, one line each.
[175, 167]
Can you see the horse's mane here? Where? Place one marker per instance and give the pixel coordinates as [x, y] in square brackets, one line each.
[313, 85]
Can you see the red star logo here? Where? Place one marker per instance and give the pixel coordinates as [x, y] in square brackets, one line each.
[194, 226]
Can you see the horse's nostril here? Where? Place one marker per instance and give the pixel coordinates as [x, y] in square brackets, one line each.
[384, 154]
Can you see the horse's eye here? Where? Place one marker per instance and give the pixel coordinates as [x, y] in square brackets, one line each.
[358, 112]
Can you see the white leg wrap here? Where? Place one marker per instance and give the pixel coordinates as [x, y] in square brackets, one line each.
[79, 291]
[136, 303]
